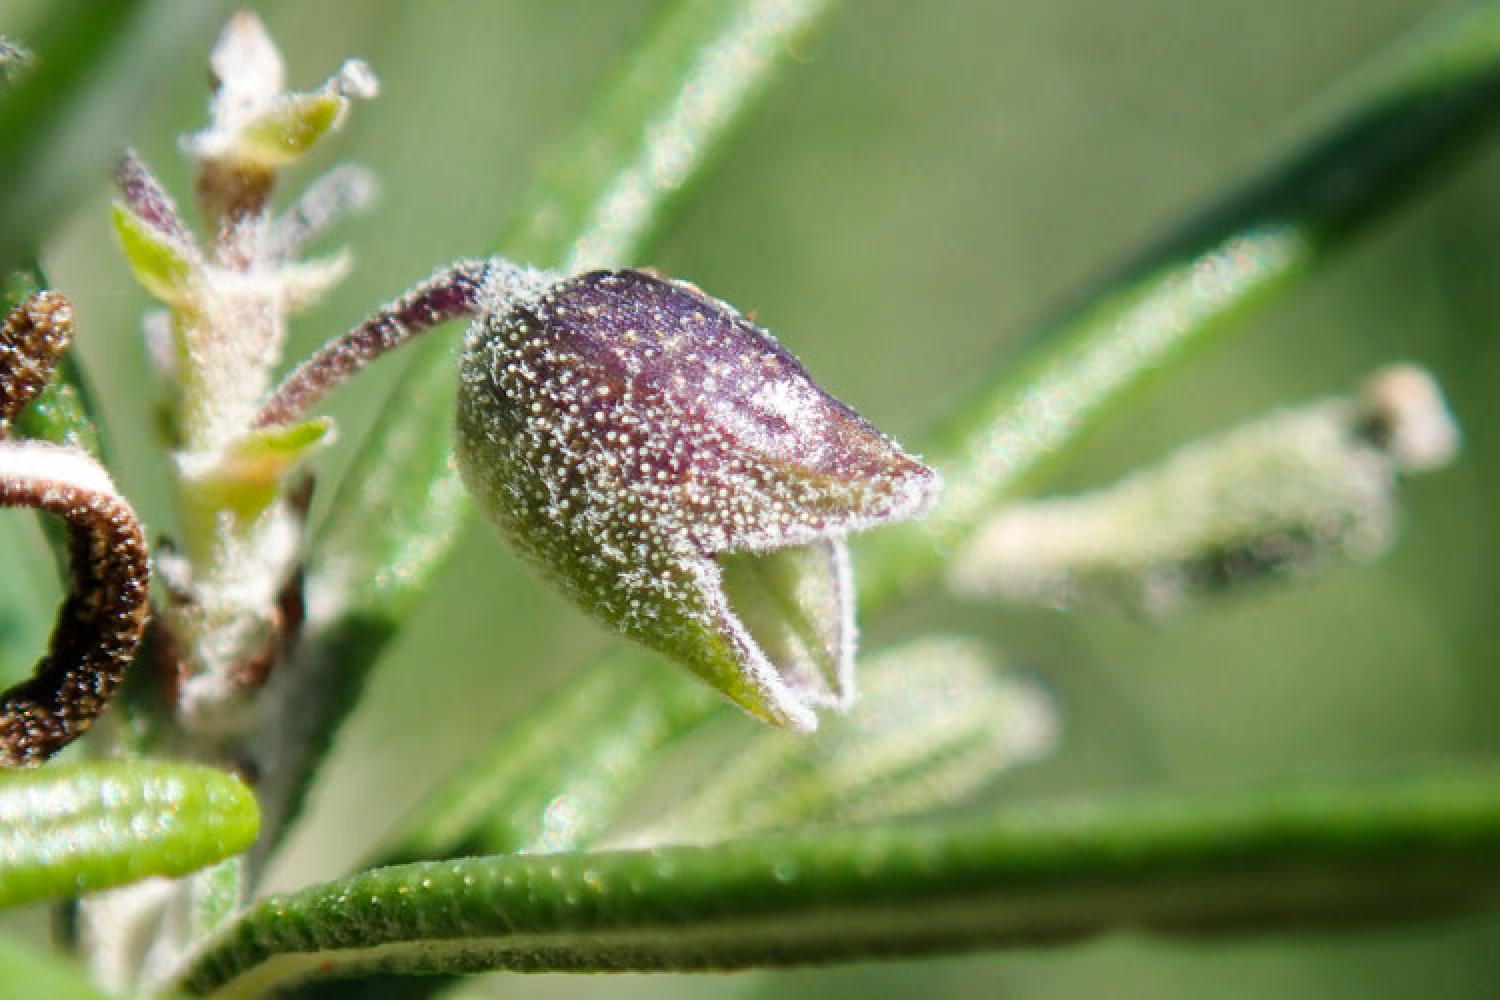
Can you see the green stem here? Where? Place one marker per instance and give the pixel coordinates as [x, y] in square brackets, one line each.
[1270, 859]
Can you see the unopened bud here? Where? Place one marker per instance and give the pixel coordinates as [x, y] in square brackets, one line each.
[683, 479]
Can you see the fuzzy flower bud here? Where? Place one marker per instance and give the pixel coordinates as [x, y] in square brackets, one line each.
[682, 478]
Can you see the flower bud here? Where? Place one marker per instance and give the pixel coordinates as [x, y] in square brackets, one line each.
[257, 124]
[682, 478]
[1287, 494]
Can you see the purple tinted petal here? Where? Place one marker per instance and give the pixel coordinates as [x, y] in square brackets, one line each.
[706, 412]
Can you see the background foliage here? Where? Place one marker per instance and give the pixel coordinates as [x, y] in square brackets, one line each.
[923, 188]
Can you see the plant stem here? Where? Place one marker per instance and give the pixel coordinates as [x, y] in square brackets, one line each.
[1269, 859]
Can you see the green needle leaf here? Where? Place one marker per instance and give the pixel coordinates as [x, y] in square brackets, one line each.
[1405, 114]
[71, 829]
[1271, 858]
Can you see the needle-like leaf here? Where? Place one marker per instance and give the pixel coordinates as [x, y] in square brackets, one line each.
[70, 829]
[1268, 859]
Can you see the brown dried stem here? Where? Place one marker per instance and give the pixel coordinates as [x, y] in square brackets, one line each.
[32, 339]
[101, 622]
[102, 619]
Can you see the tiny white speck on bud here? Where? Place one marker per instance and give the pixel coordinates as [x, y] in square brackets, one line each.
[355, 79]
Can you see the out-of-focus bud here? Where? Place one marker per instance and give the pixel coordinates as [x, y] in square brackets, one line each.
[1287, 494]
[256, 124]
[1401, 411]
[683, 479]
[936, 721]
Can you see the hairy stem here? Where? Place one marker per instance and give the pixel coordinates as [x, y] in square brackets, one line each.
[102, 620]
[1267, 859]
[450, 293]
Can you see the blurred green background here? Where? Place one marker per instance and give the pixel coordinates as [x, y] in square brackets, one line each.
[927, 183]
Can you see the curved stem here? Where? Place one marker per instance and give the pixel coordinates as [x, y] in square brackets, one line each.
[451, 292]
[104, 616]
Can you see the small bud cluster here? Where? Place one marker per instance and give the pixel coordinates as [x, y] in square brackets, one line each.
[227, 300]
[1287, 494]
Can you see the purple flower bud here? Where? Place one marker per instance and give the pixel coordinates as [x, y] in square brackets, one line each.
[681, 476]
